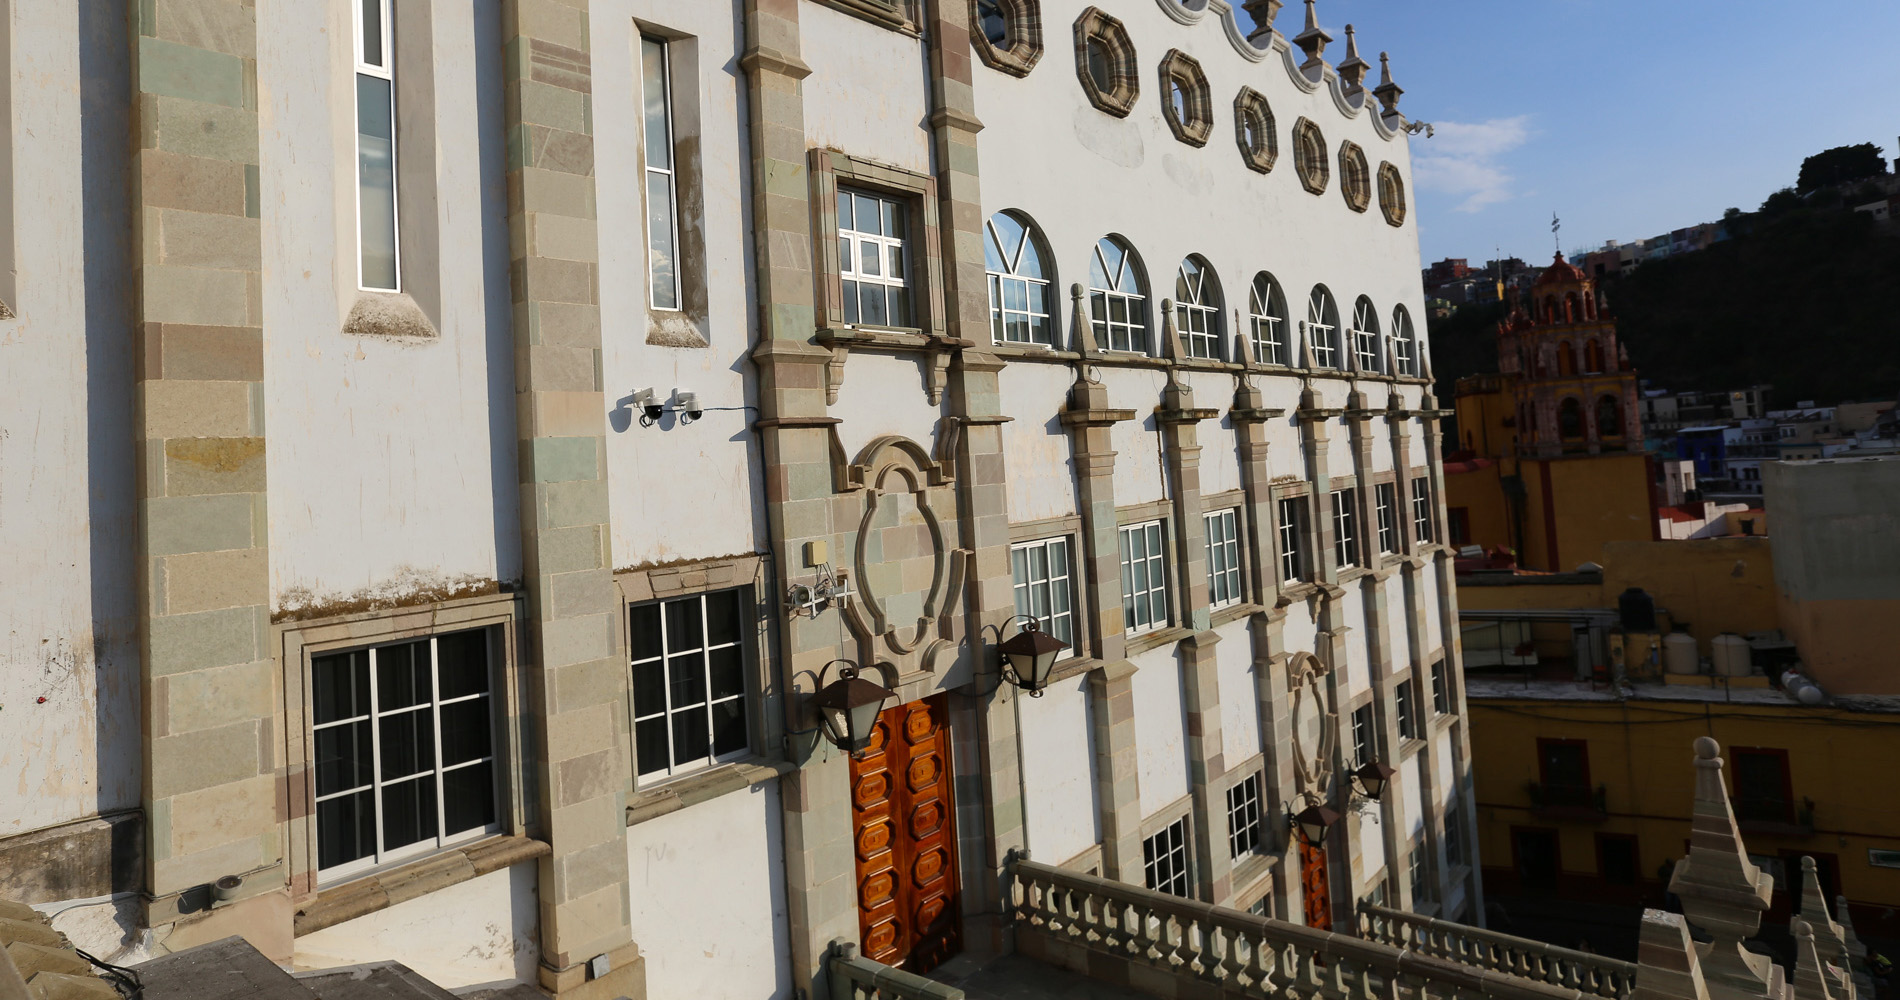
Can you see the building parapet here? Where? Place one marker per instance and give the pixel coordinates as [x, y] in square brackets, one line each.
[1596, 975]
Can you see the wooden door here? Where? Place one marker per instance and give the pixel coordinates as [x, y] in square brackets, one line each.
[1319, 896]
[904, 834]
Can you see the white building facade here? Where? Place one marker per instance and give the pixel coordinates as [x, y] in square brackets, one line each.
[450, 450]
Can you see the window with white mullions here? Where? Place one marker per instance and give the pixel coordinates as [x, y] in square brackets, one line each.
[1197, 309]
[1365, 336]
[1164, 857]
[662, 184]
[1266, 309]
[1019, 285]
[1405, 706]
[1346, 526]
[1422, 510]
[378, 267]
[1420, 873]
[1144, 578]
[1441, 689]
[1244, 828]
[1386, 507]
[1402, 361]
[1292, 531]
[1223, 558]
[1322, 327]
[1117, 298]
[1044, 585]
[1365, 742]
[874, 258]
[689, 682]
[404, 749]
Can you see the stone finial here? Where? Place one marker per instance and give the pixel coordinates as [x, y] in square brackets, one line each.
[1813, 980]
[1313, 40]
[1828, 937]
[1263, 13]
[1170, 345]
[1666, 964]
[1856, 951]
[1387, 92]
[1722, 892]
[1354, 69]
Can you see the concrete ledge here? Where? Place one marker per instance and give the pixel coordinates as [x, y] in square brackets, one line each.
[389, 315]
[676, 795]
[438, 871]
[79, 860]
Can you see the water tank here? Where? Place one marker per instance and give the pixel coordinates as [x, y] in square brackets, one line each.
[1679, 654]
[1730, 655]
[1638, 610]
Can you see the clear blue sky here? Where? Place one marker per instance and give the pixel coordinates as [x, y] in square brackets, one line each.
[1626, 118]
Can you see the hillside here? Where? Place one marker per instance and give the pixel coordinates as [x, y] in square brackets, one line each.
[1807, 301]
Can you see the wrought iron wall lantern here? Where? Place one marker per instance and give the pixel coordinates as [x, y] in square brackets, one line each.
[1029, 657]
[1372, 777]
[1310, 824]
[848, 707]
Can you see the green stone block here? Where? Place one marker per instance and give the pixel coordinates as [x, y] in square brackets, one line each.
[195, 74]
[563, 460]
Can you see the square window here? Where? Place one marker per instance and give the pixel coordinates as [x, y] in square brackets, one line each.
[1144, 577]
[1223, 558]
[1165, 859]
[1244, 829]
[1044, 581]
[690, 665]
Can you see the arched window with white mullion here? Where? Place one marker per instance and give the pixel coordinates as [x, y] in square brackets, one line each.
[1266, 308]
[1118, 308]
[1020, 311]
[1365, 337]
[1403, 362]
[1197, 309]
[1322, 327]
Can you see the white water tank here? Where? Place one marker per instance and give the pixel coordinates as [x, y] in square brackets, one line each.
[1729, 652]
[1679, 653]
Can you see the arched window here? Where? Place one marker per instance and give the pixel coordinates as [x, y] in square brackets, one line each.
[1197, 309]
[1593, 357]
[1402, 360]
[1550, 309]
[1267, 309]
[1118, 309]
[1322, 327]
[1609, 416]
[1566, 358]
[1365, 337]
[1570, 418]
[1020, 307]
[1573, 311]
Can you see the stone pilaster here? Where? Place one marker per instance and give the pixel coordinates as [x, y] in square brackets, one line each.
[1276, 734]
[1313, 432]
[1181, 443]
[1438, 557]
[1089, 419]
[1207, 767]
[1256, 483]
[211, 767]
[1117, 785]
[578, 674]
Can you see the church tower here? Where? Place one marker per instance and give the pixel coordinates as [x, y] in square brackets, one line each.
[1574, 390]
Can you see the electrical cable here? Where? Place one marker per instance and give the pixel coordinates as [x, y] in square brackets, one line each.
[125, 980]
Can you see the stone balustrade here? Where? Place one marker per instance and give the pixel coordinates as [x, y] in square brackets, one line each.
[1594, 975]
[854, 977]
[1184, 949]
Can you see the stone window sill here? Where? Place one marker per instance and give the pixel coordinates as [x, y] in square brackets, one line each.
[1250, 871]
[879, 12]
[1157, 639]
[1075, 666]
[438, 871]
[1409, 747]
[703, 787]
[1233, 613]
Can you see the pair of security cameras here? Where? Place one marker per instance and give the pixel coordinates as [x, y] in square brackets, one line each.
[685, 402]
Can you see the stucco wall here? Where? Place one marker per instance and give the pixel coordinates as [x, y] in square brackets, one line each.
[1160, 729]
[1240, 701]
[1837, 541]
[480, 931]
[1060, 801]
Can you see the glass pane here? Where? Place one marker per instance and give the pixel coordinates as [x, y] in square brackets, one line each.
[1030, 266]
[644, 635]
[649, 687]
[723, 617]
[1041, 332]
[1018, 328]
[850, 302]
[844, 210]
[728, 671]
[661, 254]
[900, 307]
[461, 663]
[867, 215]
[1015, 295]
[654, 104]
[1098, 273]
[1038, 297]
[402, 675]
[682, 625]
[466, 731]
[408, 813]
[686, 679]
[993, 255]
[729, 729]
[468, 798]
[346, 829]
[339, 686]
[343, 757]
[898, 269]
[376, 181]
[872, 305]
[992, 22]
[895, 221]
[1099, 63]
[650, 744]
[691, 733]
[408, 743]
[373, 32]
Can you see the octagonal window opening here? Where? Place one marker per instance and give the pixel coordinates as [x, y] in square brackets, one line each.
[1254, 131]
[1007, 34]
[1391, 195]
[1189, 110]
[1309, 156]
[1355, 178]
[993, 22]
[1105, 62]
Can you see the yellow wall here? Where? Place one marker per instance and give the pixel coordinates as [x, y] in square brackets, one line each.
[1848, 646]
[1593, 499]
[1481, 497]
[1481, 417]
[1713, 585]
[1641, 751]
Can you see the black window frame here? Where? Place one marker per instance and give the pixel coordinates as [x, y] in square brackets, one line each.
[741, 638]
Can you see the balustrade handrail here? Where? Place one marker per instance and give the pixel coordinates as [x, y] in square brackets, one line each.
[1314, 954]
[1522, 957]
[854, 977]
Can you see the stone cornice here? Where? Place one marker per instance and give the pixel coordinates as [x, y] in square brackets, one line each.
[1096, 417]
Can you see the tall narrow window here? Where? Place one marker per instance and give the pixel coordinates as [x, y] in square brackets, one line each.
[1386, 503]
[1406, 705]
[1117, 309]
[1322, 327]
[874, 258]
[1266, 309]
[1019, 286]
[1441, 689]
[1197, 309]
[1144, 578]
[689, 682]
[1365, 742]
[1244, 824]
[1421, 873]
[1422, 509]
[1346, 526]
[1365, 336]
[1223, 558]
[1402, 362]
[1044, 583]
[1292, 532]
[656, 101]
[378, 268]
[405, 759]
[1165, 859]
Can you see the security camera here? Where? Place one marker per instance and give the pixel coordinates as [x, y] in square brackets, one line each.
[650, 406]
[686, 401]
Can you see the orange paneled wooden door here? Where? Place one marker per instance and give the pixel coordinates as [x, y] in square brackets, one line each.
[904, 834]
[1318, 895]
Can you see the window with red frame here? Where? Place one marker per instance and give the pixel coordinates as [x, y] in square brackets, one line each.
[1763, 793]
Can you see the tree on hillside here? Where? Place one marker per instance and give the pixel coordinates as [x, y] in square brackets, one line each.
[1780, 203]
[1840, 165]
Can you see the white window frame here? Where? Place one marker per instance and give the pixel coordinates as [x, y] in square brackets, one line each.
[1346, 526]
[1441, 688]
[1268, 318]
[1009, 279]
[386, 70]
[1420, 873]
[1195, 317]
[1152, 565]
[1321, 335]
[1132, 330]
[708, 703]
[1246, 812]
[381, 856]
[1365, 336]
[1167, 860]
[1385, 501]
[670, 175]
[1405, 706]
[1295, 567]
[1422, 509]
[1365, 735]
[893, 253]
[1036, 594]
[1223, 558]
[1402, 362]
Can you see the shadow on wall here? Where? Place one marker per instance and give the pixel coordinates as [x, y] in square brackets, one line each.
[504, 476]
